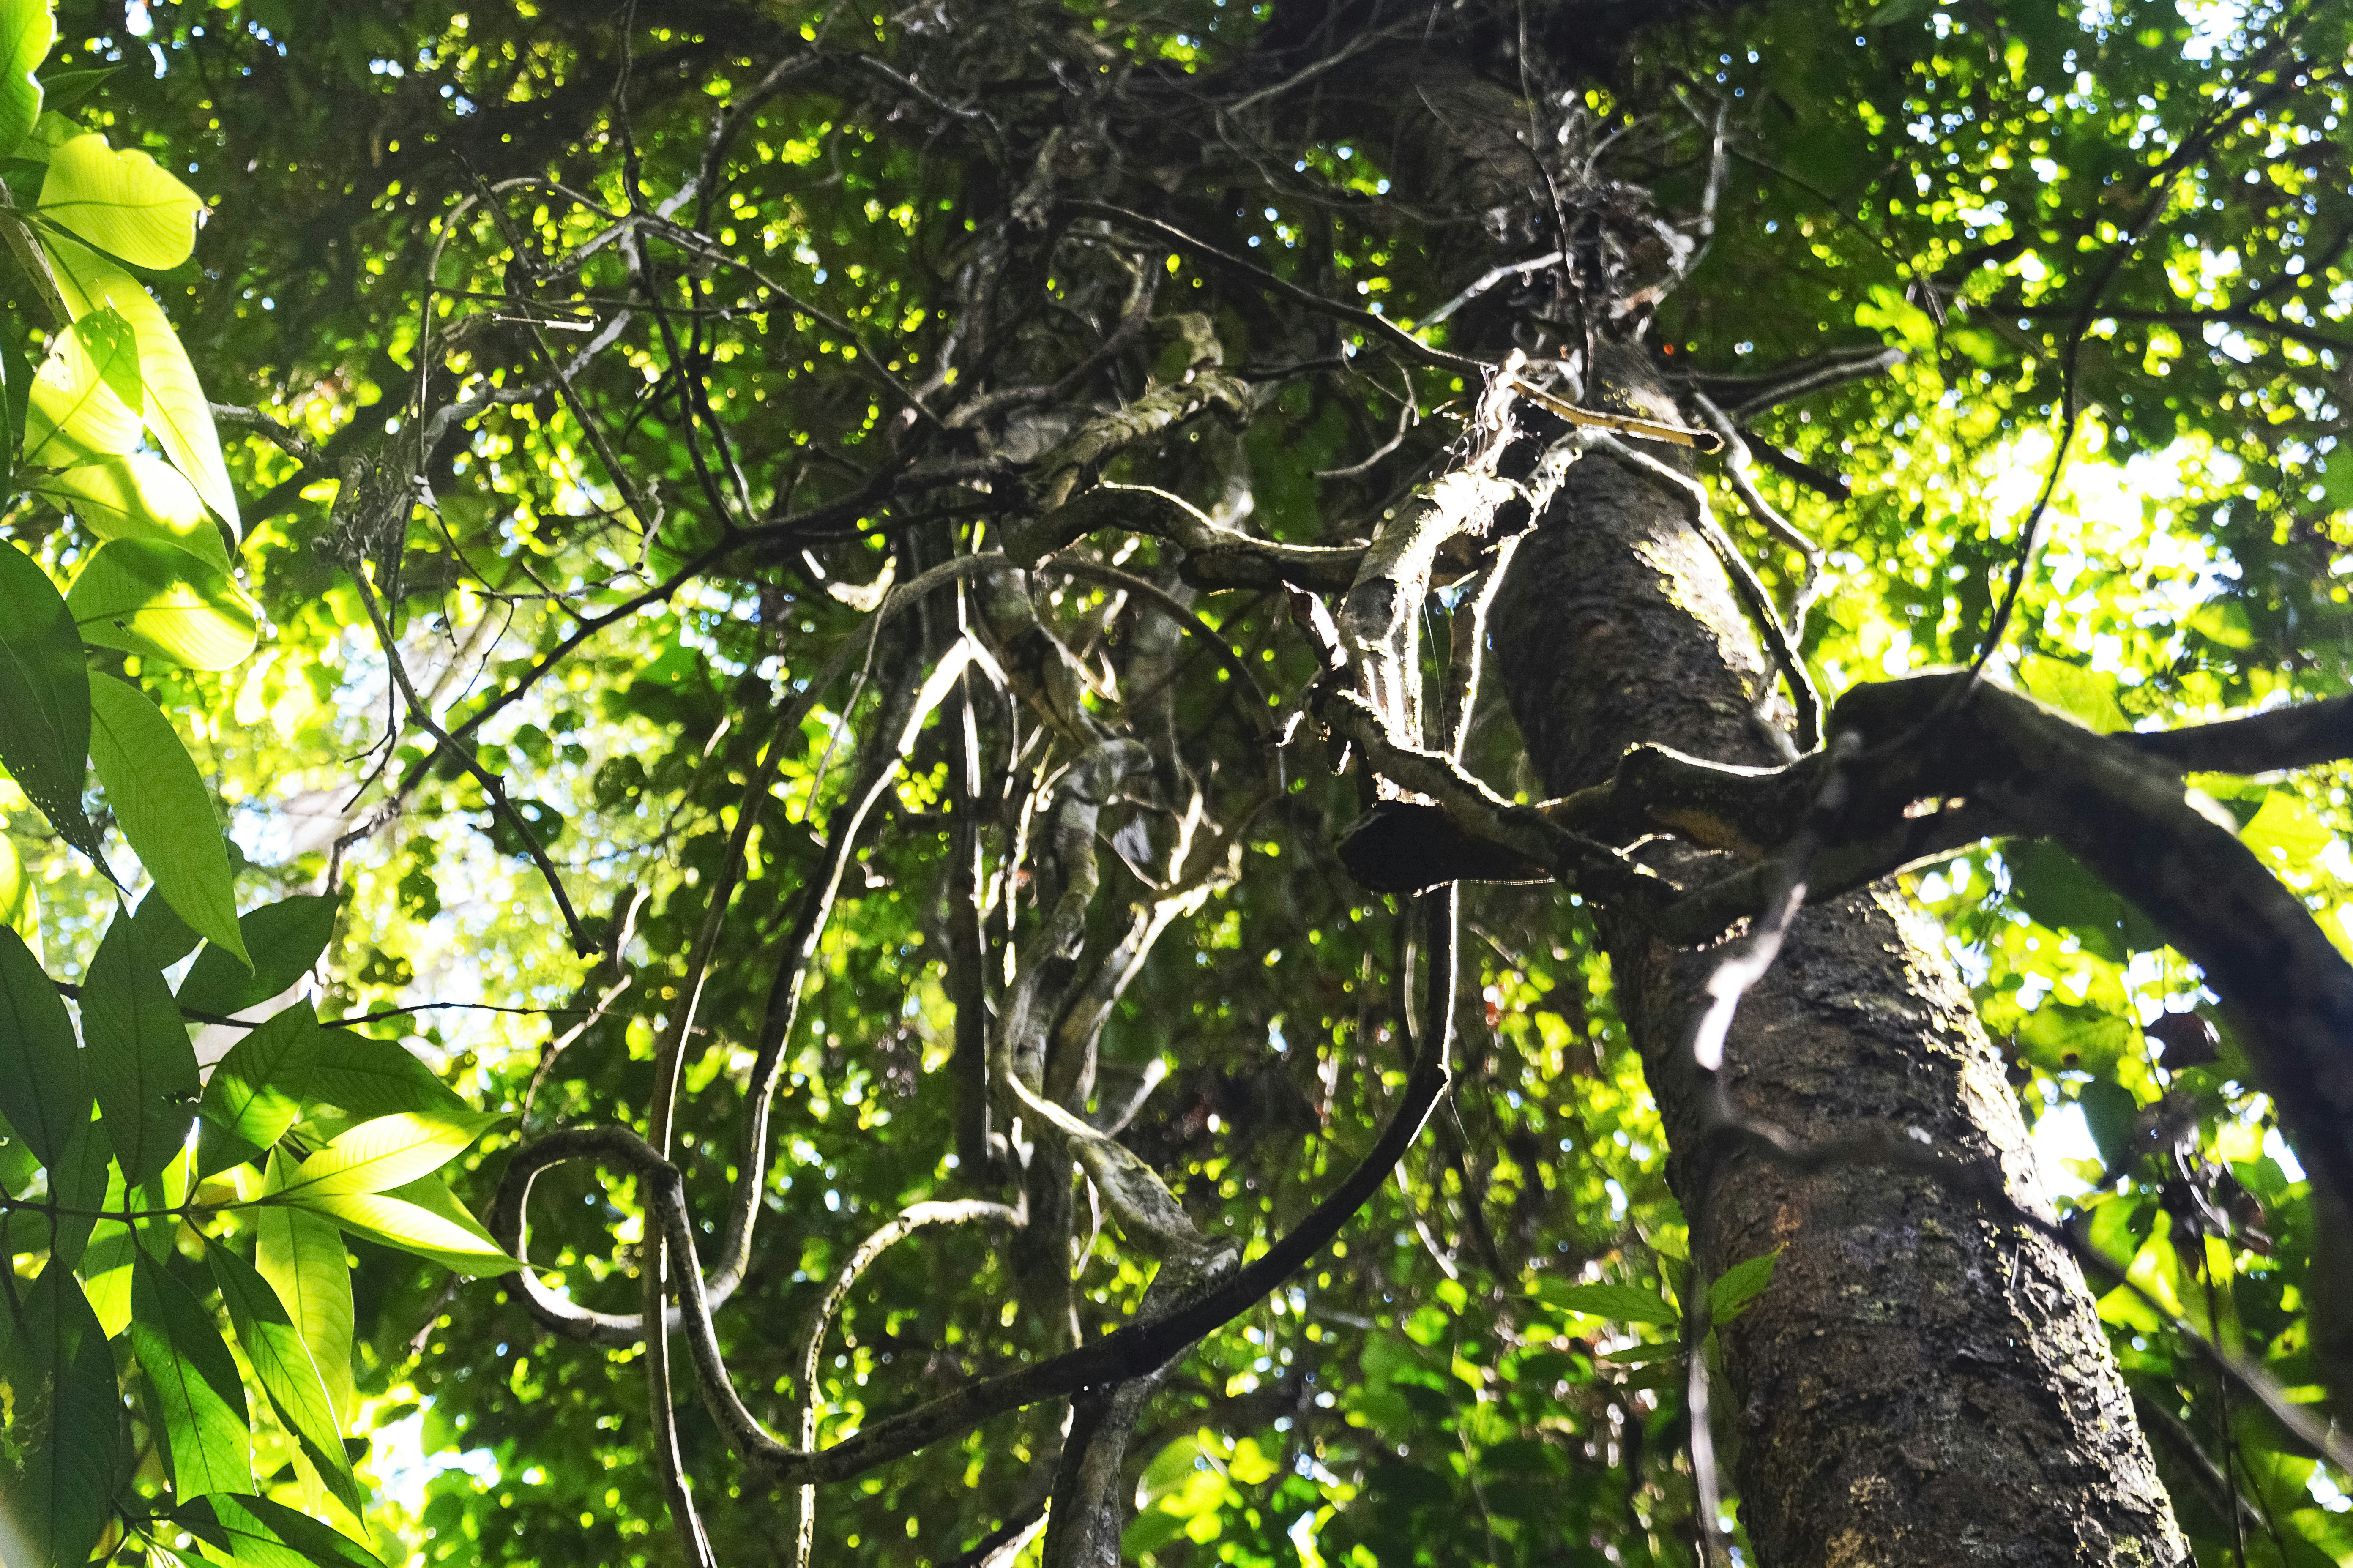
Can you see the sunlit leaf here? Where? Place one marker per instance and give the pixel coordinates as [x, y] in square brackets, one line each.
[137, 497]
[177, 414]
[387, 1151]
[275, 1349]
[25, 33]
[1617, 1303]
[119, 201]
[71, 415]
[302, 1255]
[146, 596]
[412, 1228]
[256, 1533]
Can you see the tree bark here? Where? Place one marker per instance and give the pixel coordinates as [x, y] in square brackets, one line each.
[1925, 1381]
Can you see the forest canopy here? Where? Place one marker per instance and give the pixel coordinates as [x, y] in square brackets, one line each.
[1331, 783]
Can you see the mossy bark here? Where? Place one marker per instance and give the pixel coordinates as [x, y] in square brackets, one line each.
[1926, 1381]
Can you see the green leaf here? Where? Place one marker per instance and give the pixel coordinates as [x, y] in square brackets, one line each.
[198, 1397]
[138, 1056]
[177, 414]
[63, 90]
[70, 414]
[2284, 833]
[256, 1091]
[134, 496]
[2110, 1114]
[26, 33]
[274, 1348]
[65, 1422]
[457, 1243]
[44, 1093]
[366, 1077]
[258, 1534]
[284, 940]
[84, 1179]
[301, 1256]
[1739, 1285]
[2087, 696]
[44, 699]
[164, 808]
[387, 1151]
[122, 202]
[149, 597]
[105, 1268]
[113, 350]
[166, 935]
[1617, 1303]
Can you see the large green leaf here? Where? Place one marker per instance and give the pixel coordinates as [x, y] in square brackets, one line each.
[120, 202]
[387, 1151]
[279, 1359]
[147, 596]
[44, 699]
[137, 1049]
[254, 1533]
[26, 33]
[71, 415]
[365, 1078]
[137, 497]
[441, 1231]
[162, 807]
[44, 1091]
[301, 1256]
[64, 1421]
[199, 1399]
[177, 414]
[284, 939]
[256, 1091]
[113, 350]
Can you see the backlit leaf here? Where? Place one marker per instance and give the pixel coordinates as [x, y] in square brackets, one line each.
[44, 699]
[279, 1359]
[146, 596]
[197, 1392]
[135, 496]
[164, 808]
[44, 1091]
[412, 1228]
[284, 939]
[301, 1256]
[25, 33]
[387, 1151]
[137, 1052]
[122, 202]
[176, 414]
[256, 1091]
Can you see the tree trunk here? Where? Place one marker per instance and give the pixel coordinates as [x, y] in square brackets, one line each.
[1923, 1381]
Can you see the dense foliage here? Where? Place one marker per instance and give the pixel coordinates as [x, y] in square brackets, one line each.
[598, 376]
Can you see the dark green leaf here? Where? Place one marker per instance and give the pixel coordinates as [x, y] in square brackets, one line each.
[83, 1181]
[16, 389]
[63, 90]
[44, 699]
[368, 1077]
[162, 807]
[199, 1396]
[140, 1062]
[259, 1533]
[1739, 1285]
[164, 934]
[64, 1421]
[43, 1091]
[285, 939]
[256, 1090]
[274, 1348]
[2110, 1112]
